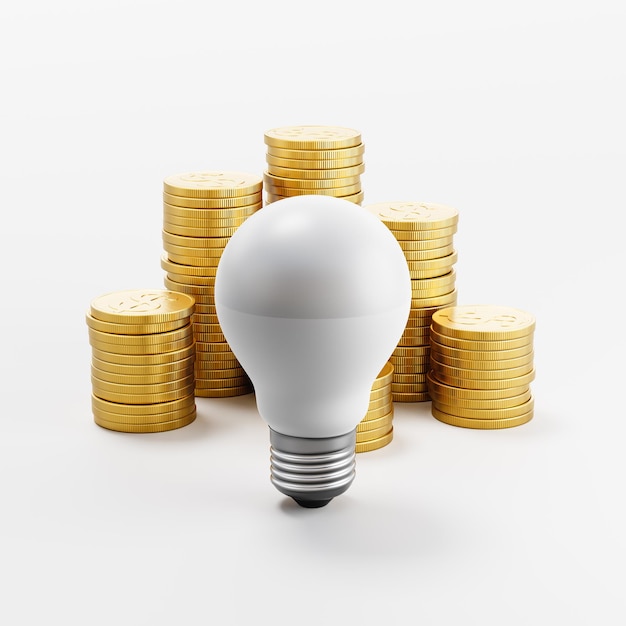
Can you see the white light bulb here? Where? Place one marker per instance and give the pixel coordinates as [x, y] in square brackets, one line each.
[313, 294]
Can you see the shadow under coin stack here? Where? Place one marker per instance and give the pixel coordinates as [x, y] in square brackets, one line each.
[482, 366]
[425, 232]
[142, 368]
[201, 210]
[322, 160]
[376, 429]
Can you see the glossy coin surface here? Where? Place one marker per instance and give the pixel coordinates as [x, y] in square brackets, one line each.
[484, 414]
[487, 384]
[143, 370]
[411, 397]
[312, 137]
[375, 444]
[160, 358]
[483, 322]
[156, 418]
[316, 155]
[475, 344]
[142, 306]
[213, 184]
[142, 409]
[226, 392]
[134, 329]
[479, 424]
[414, 215]
[313, 164]
[370, 435]
[145, 428]
[441, 388]
[211, 203]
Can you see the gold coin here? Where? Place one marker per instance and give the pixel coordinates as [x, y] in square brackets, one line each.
[222, 374]
[371, 435]
[409, 378]
[408, 388]
[209, 204]
[313, 164]
[208, 382]
[340, 172]
[142, 306]
[384, 376]
[406, 235]
[275, 183]
[383, 392]
[208, 218]
[434, 291]
[210, 337]
[475, 344]
[484, 414]
[142, 410]
[356, 198]
[426, 303]
[412, 371]
[159, 358]
[380, 403]
[146, 428]
[411, 397]
[502, 403]
[146, 389]
[445, 280]
[174, 229]
[142, 340]
[152, 398]
[383, 410]
[192, 289]
[157, 418]
[417, 245]
[141, 379]
[217, 364]
[317, 155]
[134, 329]
[410, 352]
[371, 424]
[416, 331]
[207, 328]
[201, 348]
[181, 269]
[413, 342]
[206, 309]
[147, 350]
[426, 255]
[407, 362]
[471, 364]
[478, 374]
[483, 322]
[207, 264]
[206, 243]
[442, 262]
[213, 184]
[186, 279]
[226, 392]
[204, 318]
[438, 387]
[482, 424]
[414, 215]
[375, 444]
[312, 137]
[487, 383]
[143, 370]
[285, 192]
[479, 355]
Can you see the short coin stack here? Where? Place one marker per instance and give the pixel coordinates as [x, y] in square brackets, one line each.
[376, 429]
[482, 366]
[425, 232]
[201, 210]
[323, 160]
[143, 353]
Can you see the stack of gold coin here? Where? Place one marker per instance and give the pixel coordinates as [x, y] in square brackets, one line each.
[201, 210]
[323, 160]
[142, 368]
[481, 364]
[425, 233]
[376, 429]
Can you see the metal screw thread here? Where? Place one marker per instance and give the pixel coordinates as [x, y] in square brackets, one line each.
[312, 471]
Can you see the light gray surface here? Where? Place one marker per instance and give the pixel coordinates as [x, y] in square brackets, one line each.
[513, 116]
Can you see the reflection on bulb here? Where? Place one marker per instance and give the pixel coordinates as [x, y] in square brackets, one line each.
[312, 294]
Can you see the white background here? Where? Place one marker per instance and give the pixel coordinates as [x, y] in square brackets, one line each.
[511, 112]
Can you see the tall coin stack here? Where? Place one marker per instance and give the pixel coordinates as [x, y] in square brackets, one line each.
[375, 430]
[425, 232]
[323, 160]
[201, 210]
[482, 366]
[142, 368]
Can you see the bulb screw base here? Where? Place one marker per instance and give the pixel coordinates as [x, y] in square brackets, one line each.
[312, 471]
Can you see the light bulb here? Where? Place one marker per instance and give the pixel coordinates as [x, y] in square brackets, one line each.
[312, 294]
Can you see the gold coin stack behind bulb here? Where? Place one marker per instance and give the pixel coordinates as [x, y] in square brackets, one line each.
[323, 160]
[482, 366]
[143, 354]
[425, 232]
[376, 429]
[201, 210]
